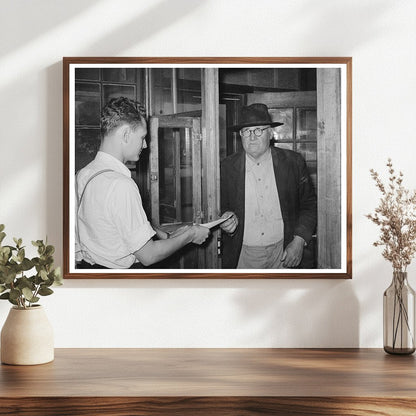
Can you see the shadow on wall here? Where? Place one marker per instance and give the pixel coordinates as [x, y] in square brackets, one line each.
[54, 146]
[301, 314]
[41, 16]
[254, 313]
[4, 311]
[339, 17]
[156, 18]
[375, 276]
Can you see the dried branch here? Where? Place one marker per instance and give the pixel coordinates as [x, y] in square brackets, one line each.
[396, 217]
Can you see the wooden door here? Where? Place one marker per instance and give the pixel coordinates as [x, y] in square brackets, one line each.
[175, 181]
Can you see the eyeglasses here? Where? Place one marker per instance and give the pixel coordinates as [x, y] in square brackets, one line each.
[257, 132]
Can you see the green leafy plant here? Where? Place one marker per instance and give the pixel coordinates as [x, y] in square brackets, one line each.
[15, 285]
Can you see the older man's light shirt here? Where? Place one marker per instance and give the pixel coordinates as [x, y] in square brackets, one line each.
[112, 224]
[263, 223]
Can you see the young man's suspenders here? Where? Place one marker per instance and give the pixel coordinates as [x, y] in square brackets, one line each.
[88, 181]
[82, 195]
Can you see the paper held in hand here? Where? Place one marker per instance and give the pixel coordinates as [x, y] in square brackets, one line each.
[213, 224]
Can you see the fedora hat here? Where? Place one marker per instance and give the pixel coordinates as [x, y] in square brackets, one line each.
[255, 115]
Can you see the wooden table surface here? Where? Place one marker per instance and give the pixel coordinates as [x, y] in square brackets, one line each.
[212, 382]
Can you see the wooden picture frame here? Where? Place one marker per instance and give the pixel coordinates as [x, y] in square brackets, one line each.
[193, 100]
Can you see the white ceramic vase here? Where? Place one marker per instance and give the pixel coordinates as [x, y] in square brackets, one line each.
[27, 337]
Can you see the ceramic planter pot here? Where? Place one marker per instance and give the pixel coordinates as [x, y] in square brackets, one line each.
[27, 337]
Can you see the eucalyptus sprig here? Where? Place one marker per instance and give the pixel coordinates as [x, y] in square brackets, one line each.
[396, 217]
[15, 285]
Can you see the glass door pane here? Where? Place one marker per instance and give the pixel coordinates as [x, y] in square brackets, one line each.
[175, 176]
[306, 124]
[306, 129]
[285, 132]
[175, 180]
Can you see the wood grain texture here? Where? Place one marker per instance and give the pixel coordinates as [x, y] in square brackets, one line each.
[210, 160]
[154, 169]
[207, 406]
[283, 99]
[349, 167]
[65, 164]
[330, 172]
[212, 381]
[207, 60]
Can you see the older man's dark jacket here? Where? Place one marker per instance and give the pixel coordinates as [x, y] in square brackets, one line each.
[296, 194]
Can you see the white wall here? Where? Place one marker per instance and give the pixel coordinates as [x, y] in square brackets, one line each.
[380, 35]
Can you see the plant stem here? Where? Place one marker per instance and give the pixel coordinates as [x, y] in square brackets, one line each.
[402, 314]
[394, 314]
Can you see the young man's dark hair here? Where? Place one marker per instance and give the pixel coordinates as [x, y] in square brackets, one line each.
[119, 111]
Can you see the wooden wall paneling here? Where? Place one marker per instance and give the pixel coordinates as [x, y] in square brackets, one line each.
[283, 99]
[329, 167]
[154, 170]
[210, 158]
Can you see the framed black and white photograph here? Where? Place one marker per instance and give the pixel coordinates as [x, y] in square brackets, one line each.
[207, 167]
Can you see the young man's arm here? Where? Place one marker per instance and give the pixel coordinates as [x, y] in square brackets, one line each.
[155, 251]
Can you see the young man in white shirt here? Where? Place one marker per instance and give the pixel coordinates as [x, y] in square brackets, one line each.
[112, 227]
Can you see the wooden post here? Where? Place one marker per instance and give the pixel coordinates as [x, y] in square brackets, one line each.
[197, 183]
[177, 173]
[174, 90]
[196, 171]
[210, 159]
[328, 86]
[154, 170]
[148, 92]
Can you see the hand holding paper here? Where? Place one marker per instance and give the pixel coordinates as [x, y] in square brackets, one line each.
[228, 222]
[213, 224]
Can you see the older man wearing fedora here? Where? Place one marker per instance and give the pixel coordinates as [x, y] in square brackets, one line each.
[270, 197]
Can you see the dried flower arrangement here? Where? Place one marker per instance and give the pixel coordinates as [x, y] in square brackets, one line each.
[396, 216]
